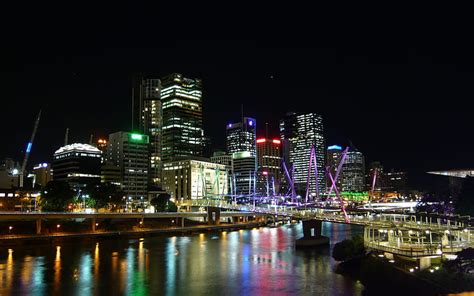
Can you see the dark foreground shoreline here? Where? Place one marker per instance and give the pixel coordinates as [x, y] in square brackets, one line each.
[381, 278]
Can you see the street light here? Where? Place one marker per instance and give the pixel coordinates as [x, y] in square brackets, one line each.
[10, 229]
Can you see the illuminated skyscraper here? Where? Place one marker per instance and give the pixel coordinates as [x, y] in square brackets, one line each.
[182, 132]
[241, 145]
[129, 152]
[147, 119]
[241, 136]
[353, 172]
[299, 132]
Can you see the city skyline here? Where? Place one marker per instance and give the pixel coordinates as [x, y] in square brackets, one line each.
[390, 135]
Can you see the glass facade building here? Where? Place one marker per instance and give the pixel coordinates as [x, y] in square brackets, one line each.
[182, 129]
[299, 132]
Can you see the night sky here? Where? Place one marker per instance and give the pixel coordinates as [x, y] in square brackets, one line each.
[407, 107]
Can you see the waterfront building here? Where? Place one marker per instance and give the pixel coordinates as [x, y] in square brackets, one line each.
[299, 132]
[129, 152]
[194, 178]
[78, 164]
[182, 130]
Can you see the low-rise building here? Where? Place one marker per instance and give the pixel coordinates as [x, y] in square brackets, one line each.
[194, 179]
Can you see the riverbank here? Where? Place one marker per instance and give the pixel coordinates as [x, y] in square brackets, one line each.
[383, 278]
[11, 240]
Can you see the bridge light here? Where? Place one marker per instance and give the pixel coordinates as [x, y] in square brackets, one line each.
[58, 226]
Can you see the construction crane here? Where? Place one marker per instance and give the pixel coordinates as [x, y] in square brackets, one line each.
[28, 150]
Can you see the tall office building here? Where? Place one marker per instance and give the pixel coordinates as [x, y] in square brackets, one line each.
[299, 132]
[333, 158]
[129, 152]
[244, 171]
[182, 131]
[268, 165]
[397, 181]
[353, 172]
[78, 164]
[241, 136]
[375, 168]
[147, 119]
[241, 144]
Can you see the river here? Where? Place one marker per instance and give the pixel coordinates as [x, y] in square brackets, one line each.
[262, 261]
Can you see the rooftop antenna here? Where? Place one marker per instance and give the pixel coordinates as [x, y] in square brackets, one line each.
[90, 139]
[266, 130]
[66, 136]
[242, 115]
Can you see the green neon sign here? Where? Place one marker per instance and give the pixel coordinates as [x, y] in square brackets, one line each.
[138, 138]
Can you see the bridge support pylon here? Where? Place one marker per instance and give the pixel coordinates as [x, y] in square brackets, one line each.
[213, 216]
[38, 226]
[312, 235]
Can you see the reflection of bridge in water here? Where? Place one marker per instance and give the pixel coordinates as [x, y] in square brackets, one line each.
[408, 235]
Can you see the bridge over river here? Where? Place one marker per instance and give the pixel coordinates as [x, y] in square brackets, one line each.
[410, 235]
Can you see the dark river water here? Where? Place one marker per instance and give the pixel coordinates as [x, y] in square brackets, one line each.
[261, 261]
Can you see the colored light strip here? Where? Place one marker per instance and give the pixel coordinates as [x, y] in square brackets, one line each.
[276, 141]
[335, 147]
[261, 140]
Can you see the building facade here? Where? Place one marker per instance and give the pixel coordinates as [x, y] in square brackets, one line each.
[129, 152]
[268, 166]
[194, 179]
[9, 174]
[148, 119]
[78, 164]
[182, 129]
[353, 172]
[42, 174]
[241, 136]
[300, 132]
[333, 158]
[241, 144]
